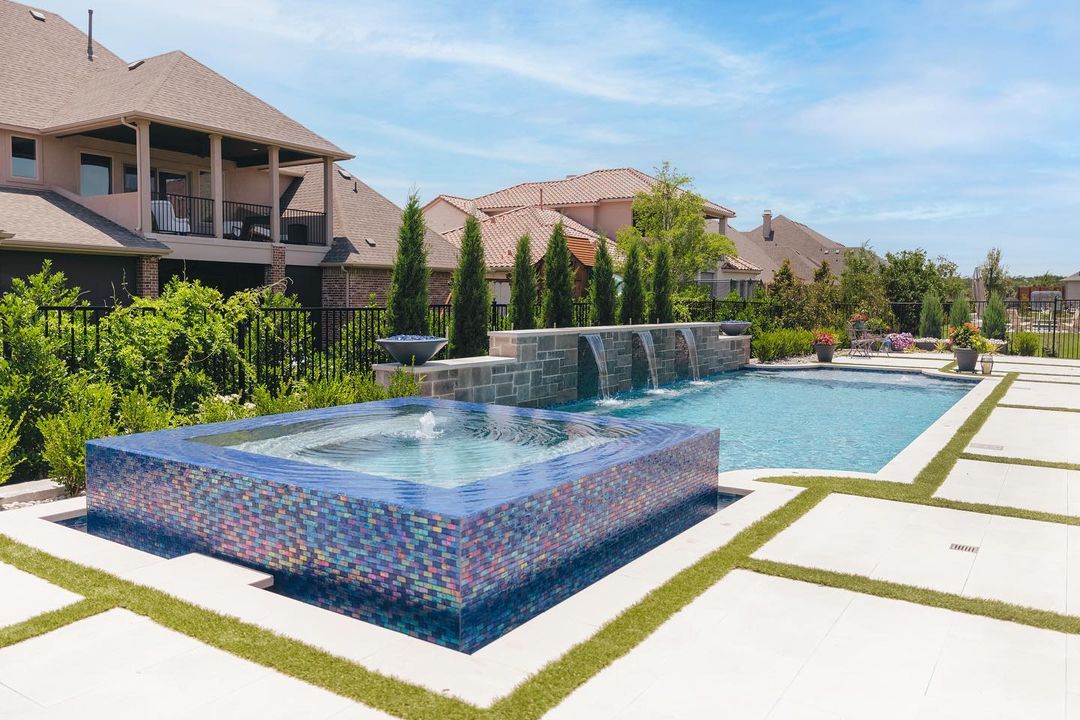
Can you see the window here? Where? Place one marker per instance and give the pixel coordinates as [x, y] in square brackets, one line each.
[131, 178]
[24, 157]
[95, 174]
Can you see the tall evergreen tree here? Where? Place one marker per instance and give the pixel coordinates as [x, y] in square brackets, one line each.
[662, 311]
[470, 295]
[995, 318]
[558, 306]
[632, 307]
[931, 315]
[602, 287]
[407, 304]
[959, 311]
[523, 287]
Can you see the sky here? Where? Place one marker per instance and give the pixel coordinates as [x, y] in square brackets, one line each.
[947, 126]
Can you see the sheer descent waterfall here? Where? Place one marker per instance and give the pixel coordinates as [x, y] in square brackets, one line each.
[596, 344]
[650, 355]
[691, 351]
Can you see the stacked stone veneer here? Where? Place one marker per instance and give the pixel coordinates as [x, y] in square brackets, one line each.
[538, 368]
[458, 578]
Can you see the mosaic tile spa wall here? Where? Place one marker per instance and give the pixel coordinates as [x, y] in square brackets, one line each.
[453, 572]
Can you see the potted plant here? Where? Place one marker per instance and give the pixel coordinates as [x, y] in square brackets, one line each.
[824, 346]
[858, 321]
[967, 341]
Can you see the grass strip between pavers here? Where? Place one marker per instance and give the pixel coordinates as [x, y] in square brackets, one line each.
[1039, 407]
[552, 684]
[1020, 461]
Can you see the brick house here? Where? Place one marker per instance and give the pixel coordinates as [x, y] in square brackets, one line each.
[126, 174]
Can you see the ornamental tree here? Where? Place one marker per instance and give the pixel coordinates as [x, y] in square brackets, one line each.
[407, 302]
[471, 296]
[602, 287]
[523, 287]
[632, 307]
[661, 286]
[931, 315]
[558, 305]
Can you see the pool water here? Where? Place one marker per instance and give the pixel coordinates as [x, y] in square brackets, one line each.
[439, 447]
[828, 419]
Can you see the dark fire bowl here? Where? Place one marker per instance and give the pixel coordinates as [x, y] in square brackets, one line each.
[412, 349]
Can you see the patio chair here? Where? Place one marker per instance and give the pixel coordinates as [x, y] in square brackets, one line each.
[861, 342]
[165, 220]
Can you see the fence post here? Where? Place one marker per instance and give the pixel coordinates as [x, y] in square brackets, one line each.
[1053, 327]
[713, 308]
[494, 314]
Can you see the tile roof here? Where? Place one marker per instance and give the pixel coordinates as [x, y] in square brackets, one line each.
[41, 219]
[591, 187]
[803, 246]
[739, 264]
[50, 84]
[365, 223]
[501, 232]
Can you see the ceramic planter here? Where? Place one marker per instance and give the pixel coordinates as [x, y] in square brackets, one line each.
[825, 352]
[412, 349]
[965, 359]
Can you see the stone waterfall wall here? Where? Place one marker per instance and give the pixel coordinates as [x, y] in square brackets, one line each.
[537, 368]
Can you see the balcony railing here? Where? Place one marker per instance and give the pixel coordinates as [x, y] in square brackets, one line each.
[193, 215]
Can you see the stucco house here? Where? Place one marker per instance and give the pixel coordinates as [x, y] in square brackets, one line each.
[1071, 285]
[124, 174]
[501, 232]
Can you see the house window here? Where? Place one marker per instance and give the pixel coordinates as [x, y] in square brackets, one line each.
[131, 178]
[95, 174]
[24, 158]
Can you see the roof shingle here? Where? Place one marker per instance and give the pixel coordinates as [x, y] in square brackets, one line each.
[501, 233]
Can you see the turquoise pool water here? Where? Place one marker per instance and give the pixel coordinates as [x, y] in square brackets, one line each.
[828, 419]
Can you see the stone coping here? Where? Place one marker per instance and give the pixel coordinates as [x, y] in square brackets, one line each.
[602, 328]
[451, 364]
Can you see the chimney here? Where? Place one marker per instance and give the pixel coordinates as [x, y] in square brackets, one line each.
[90, 36]
[766, 224]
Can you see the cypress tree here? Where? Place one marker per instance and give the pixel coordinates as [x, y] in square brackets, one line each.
[602, 287]
[407, 303]
[523, 287]
[931, 315]
[960, 312]
[558, 306]
[661, 285]
[995, 318]
[471, 296]
[632, 307]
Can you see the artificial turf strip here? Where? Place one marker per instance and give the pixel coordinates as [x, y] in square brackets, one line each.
[1020, 461]
[1039, 407]
[53, 620]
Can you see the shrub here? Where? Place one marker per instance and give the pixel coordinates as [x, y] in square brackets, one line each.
[407, 302]
[287, 399]
[138, 411]
[661, 285]
[931, 316]
[470, 295]
[403, 384]
[994, 319]
[87, 414]
[1025, 343]
[778, 344]
[632, 306]
[959, 312]
[219, 408]
[523, 287]
[901, 342]
[9, 440]
[602, 287]
[558, 305]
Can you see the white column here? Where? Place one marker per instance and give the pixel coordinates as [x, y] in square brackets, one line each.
[217, 185]
[328, 198]
[275, 195]
[142, 170]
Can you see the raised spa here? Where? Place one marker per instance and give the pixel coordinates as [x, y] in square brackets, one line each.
[449, 521]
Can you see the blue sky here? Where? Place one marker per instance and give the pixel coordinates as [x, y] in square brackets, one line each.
[950, 126]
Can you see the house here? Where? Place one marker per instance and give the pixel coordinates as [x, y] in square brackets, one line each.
[1071, 285]
[600, 200]
[501, 232]
[125, 174]
[743, 273]
[782, 238]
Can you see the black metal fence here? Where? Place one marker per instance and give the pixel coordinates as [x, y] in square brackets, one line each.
[281, 343]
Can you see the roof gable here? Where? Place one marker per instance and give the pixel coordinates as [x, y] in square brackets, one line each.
[501, 233]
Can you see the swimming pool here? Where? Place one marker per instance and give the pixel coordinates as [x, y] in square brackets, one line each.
[828, 419]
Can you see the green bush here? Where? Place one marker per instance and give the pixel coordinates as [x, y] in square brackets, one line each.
[602, 287]
[85, 415]
[470, 295]
[138, 411]
[407, 303]
[778, 344]
[931, 315]
[632, 305]
[219, 408]
[558, 303]
[994, 320]
[9, 440]
[289, 398]
[661, 286]
[523, 287]
[959, 312]
[1025, 343]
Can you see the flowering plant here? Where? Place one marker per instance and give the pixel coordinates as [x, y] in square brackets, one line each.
[824, 338]
[858, 317]
[966, 336]
[900, 341]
